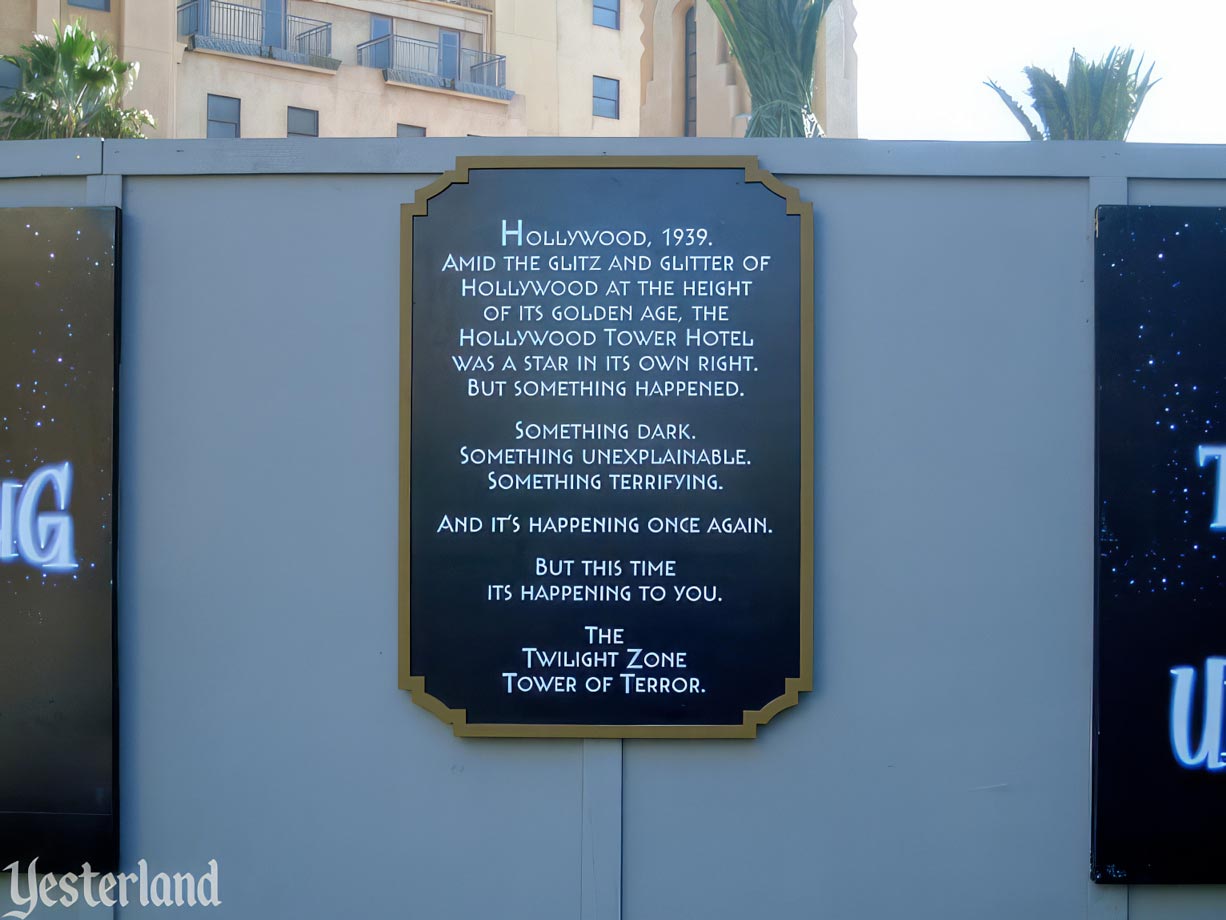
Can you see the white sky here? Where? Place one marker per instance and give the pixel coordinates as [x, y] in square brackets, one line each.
[922, 64]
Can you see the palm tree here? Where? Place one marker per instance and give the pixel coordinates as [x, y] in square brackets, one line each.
[71, 86]
[775, 42]
[1098, 102]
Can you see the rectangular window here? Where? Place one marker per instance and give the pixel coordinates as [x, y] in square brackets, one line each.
[605, 95]
[410, 131]
[104, 5]
[223, 117]
[10, 79]
[606, 13]
[301, 122]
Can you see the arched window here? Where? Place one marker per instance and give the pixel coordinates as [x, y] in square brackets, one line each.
[691, 74]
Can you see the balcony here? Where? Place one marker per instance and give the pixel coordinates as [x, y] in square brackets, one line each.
[410, 60]
[215, 25]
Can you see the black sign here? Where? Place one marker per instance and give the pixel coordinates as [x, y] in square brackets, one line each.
[607, 505]
[57, 523]
[1160, 771]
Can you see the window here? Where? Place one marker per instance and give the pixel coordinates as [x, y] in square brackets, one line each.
[223, 116]
[410, 131]
[605, 13]
[605, 93]
[691, 75]
[104, 5]
[10, 79]
[301, 122]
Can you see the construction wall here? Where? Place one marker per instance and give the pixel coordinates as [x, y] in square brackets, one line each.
[941, 767]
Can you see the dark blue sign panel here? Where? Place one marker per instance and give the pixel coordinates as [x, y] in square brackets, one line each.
[607, 503]
[1160, 769]
[57, 523]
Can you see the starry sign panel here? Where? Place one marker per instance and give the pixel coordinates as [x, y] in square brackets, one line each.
[57, 524]
[1160, 768]
[607, 447]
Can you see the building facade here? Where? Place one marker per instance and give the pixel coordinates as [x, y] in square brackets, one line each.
[692, 86]
[387, 68]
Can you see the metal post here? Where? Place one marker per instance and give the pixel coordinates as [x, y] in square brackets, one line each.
[600, 872]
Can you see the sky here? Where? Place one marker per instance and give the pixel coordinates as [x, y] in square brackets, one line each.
[922, 65]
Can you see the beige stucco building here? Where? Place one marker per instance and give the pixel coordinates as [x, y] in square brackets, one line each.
[382, 68]
[691, 85]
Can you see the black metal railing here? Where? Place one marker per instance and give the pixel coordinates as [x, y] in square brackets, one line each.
[483, 68]
[189, 17]
[308, 36]
[235, 22]
[414, 56]
[395, 52]
[375, 53]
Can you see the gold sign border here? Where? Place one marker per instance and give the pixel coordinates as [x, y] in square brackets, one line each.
[416, 685]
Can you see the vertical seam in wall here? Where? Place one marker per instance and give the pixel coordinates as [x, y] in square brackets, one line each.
[600, 896]
[583, 827]
[1109, 902]
[621, 827]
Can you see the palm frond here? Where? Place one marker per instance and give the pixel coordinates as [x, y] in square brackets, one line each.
[1018, 112]
[1097, 101]
[72, 85]
[1051, 100]
[775, 42]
